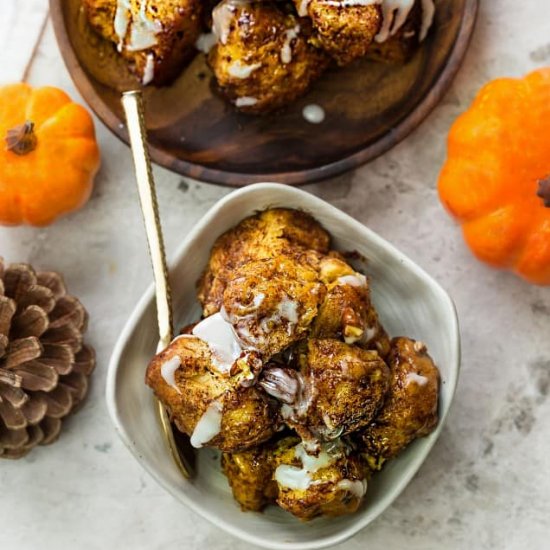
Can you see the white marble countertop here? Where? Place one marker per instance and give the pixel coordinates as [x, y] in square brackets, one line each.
[485, 485]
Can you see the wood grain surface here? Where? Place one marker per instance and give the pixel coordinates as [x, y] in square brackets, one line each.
[369, 106]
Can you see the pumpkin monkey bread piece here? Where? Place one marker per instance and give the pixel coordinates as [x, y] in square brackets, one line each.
[266, 235]
[263, 59]
[410, 409]
[214, 408]
[333, 483]
[345, 32]
[337, 390]
[347, 312]
[250, 473]
[271, 303]
[396, 44]
[155, 37]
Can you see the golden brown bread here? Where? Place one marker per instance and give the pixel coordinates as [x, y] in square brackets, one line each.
[330, 484]
[410, 410]
[337, 390]
[247, 417]
[271, 303]
[156, 37]
[400, 47]
[350, 384]
[344, 32]
[266, 235]
[250, 475]
[347, 312]
[263, 59]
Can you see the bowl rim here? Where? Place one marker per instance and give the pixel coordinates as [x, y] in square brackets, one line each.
[416, 463]
[300, 177]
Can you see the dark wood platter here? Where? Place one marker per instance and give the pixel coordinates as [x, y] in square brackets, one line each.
[370, 107]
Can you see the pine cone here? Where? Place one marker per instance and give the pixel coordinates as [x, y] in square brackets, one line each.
[44, 365]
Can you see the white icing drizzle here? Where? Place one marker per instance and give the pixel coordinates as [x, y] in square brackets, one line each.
[143, 32]
[251, 332]
[286, 50]
[314, 114]
[221, 339]
[121, 21]
[283, 384]
[302, 404]
[394, 15]
[302, 8]
[222, 16]
[258, 300]
[208, 426]
[245, 101]
[287, 412]
[168, 371]
[288, 309]
[240, 70]
[356, 488]
[358, 280]
[428, 13]
[149, 70]
[299, 479]
[370, 333]
[419, 347]
[205, 42]
[414, 378]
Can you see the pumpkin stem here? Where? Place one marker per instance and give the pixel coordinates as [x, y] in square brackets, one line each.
[544, 191]
[21, 139]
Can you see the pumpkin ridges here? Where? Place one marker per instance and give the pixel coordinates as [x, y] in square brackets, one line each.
[71, 121]
[12, 106]
[539, 78]
[71, 188]
[10, 209]
[468, 194]
[534, 262]
[498, 237]
[63, 191]
[468, 131]
[44, 103]
[81, 154]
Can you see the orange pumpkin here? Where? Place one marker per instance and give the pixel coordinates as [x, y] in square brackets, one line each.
[496, 181]
[49, 157]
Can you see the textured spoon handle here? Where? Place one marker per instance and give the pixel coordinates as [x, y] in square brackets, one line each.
[133, 107]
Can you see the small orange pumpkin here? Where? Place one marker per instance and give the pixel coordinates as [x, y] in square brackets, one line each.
[49, 156]
[496, 181]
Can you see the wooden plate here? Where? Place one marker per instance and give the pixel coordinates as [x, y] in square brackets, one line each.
[369, 106]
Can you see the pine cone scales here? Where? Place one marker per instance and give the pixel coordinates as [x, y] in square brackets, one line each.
[44, 365]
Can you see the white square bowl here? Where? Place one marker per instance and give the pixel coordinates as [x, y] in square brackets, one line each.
[409, 302]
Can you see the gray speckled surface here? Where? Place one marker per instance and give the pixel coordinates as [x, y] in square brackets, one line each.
[486, 483]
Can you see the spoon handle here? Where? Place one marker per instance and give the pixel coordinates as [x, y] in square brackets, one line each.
[133, 107]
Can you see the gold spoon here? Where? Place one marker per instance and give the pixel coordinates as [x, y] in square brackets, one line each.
[132, 101]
